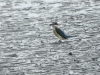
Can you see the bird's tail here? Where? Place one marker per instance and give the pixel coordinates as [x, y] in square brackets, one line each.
[70, 36]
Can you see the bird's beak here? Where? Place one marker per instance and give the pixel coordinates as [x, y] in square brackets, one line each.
[50, 24]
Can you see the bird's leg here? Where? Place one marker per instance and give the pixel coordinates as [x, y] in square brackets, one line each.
[59, 41]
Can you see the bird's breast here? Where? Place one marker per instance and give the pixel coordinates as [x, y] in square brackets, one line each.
[58, 35]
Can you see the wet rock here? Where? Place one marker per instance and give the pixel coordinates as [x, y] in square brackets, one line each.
[94, 59]
[70, 53]
[13, 55]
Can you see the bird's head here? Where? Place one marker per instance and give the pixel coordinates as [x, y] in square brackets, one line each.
[54, 24]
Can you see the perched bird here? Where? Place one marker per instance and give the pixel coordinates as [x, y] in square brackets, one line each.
[58, 32]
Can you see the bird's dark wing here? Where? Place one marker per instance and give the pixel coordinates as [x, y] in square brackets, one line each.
[61, 33]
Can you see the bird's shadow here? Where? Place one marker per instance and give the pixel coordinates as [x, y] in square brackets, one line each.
[59, 42]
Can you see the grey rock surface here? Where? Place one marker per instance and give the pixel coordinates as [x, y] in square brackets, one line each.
[28, 46]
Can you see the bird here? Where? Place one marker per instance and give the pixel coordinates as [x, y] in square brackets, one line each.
[58, 32]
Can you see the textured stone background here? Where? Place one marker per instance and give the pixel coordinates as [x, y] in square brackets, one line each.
[28, 46]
